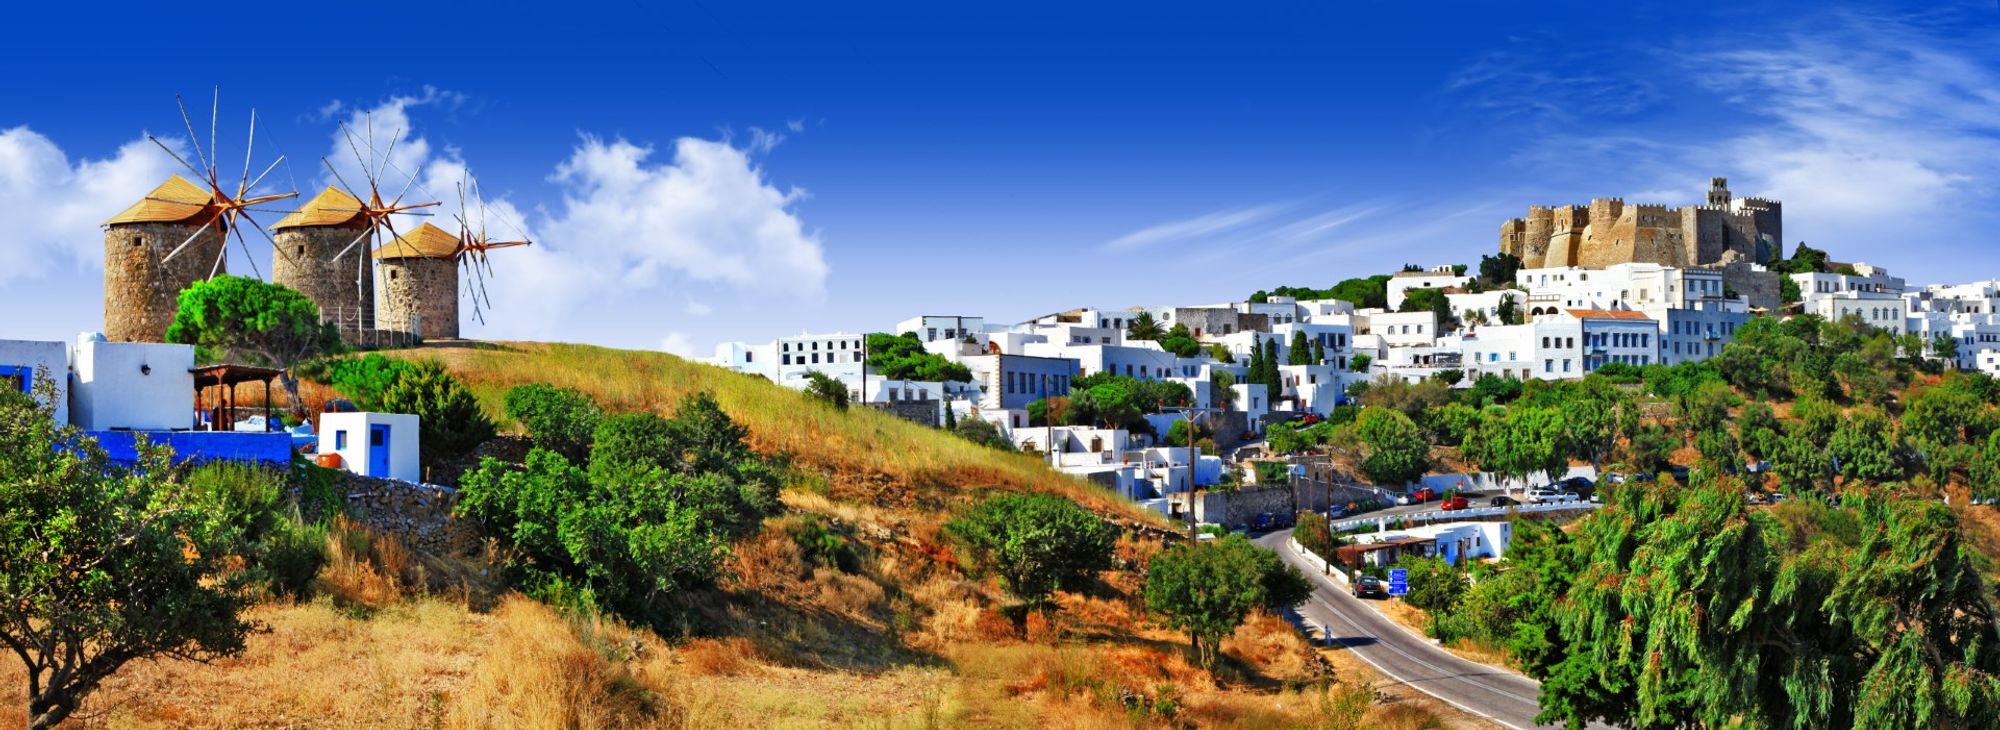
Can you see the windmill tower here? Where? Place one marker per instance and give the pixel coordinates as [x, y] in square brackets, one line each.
[306, 244]
[177, 235]
[142, 286]
[418, 295]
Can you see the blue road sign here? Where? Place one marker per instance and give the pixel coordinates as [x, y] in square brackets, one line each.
[1399, 582]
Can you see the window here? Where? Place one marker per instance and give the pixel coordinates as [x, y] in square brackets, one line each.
[340, 439]
[749, 356]
[375, 436]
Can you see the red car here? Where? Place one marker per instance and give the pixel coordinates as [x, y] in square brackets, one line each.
[1455, 502]
[1424, 494]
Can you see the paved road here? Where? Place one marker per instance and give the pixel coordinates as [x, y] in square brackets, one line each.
[1496, 694]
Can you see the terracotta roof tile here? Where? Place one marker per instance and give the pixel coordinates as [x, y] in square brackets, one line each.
[1609, 314]
[331, 207]
[173, 201]
[428, 241]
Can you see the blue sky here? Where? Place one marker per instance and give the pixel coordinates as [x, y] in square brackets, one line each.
[699, 171]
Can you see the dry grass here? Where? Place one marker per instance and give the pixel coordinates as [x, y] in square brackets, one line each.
[548, 671]
[872, 457]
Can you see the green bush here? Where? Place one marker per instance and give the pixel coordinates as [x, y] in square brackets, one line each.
[563, 420]
[824, 545]
[1037, 543]
[362, 379]
[1207, 590]
[827, 389]
[320, 496]
[291, 556]
[451, 421]
[651, 517]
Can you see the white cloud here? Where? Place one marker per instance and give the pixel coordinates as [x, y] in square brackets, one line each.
[709, 215]
[677, 343]
[55, 205]
[1196, 227]
[698, 309]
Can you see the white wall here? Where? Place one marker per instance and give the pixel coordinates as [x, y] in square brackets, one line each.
[30, 360]
[405, 456]
[133, 385]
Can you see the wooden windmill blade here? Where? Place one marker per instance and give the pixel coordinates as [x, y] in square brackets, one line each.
[225, 210]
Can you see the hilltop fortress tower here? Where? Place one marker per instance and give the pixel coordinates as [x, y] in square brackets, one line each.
[306, 242]
[419, 290]
[1723, 231]
[141, 288]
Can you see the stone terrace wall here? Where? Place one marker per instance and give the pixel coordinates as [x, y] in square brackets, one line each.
[923, 412]
[419, 515]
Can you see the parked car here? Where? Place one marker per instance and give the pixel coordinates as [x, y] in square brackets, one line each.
[1423, 494]
[1453, 503]
[1263, 522]
[1369, 585]
[1545, 496]
[1503, 501]
[1338, 511]
[1405, 499]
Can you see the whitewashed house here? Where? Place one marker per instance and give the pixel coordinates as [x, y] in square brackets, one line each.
[22, 362]
[787, 360]
[132, 386]
[1402, 282]
[385, 445]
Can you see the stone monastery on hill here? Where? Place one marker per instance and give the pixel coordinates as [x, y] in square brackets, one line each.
[1609, 231]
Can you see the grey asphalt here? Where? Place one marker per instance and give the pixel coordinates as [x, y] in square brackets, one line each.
[1496, 694]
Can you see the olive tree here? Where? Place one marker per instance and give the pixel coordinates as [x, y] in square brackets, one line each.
[101, 563]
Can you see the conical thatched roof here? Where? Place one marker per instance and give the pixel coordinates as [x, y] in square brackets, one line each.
[173, 201]
[428, 241]
[331, 207]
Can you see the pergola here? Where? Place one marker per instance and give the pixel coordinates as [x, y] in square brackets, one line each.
[225, 378]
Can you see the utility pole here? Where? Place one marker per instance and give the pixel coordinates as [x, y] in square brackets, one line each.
[1188, 412]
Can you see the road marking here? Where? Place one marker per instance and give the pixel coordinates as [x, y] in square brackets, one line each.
[1321, 579]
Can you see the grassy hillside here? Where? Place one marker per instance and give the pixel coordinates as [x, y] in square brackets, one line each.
[902, 639]
[866, 456]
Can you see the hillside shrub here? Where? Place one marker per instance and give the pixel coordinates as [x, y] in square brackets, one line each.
[451, 422]
[563, 420]
[1207, 590]
[362, 379]
[1036, 543]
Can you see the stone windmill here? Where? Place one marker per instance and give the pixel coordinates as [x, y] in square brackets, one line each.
[421, 272]
[177, 235]
[317, 239]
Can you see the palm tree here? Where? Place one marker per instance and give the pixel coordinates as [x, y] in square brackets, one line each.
[1144, 328]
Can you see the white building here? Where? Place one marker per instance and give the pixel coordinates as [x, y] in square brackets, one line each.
[1397, 329]
[1879, 309]
[22, 362]
[132, 386]
[1549, 348]
[786, 360]
[937, 327]
[1011, 382]
[1454, 542]
[385, 445]
[1613, 335]
[1442, 277]
[1484, 307]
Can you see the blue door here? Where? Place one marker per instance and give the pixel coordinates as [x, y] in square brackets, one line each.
[378, 450]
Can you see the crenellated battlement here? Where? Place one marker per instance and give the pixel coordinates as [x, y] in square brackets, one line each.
[1609, 230]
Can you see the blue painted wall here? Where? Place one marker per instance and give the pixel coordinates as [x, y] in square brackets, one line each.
[270, 448]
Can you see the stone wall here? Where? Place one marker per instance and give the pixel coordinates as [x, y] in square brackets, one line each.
[1238, 508]
[924, 412]
[419, 297]
[141, 289]
[1216, 322]
[1608, 232]
[344, 290]
[419, 515]
[1761, 287]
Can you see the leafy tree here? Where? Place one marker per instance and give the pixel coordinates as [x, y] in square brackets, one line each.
[267, 324]
[651, 517]
[1499, 270]
[1360, 362]
[1142, 327]
[1788, 290]
[450, 420]
[1435, 585]
[1718, 450]
[1207, 590]
[903, 357]
[1509, 310]
[1801, 465]
[1650, 448]
[1316, 535]
[826, 389]
[1220, 353]
[1532, 440]
[361, 379]
[979, 431]
[1944, 347]
[1491, 390]
[1180, 341]
[103, 564]
[1590, 421]
[1300, 351]
[1863, 447]
[559, 419]
[1273, 379]
[1888, 629]
[1449, 424]
[1284, 438]
[1757, 428]
[1397, 451]
[1036, 543]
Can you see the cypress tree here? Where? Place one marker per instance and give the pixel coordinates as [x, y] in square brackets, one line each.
[1301, 353]
[1256, 372]
[1319, 352]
